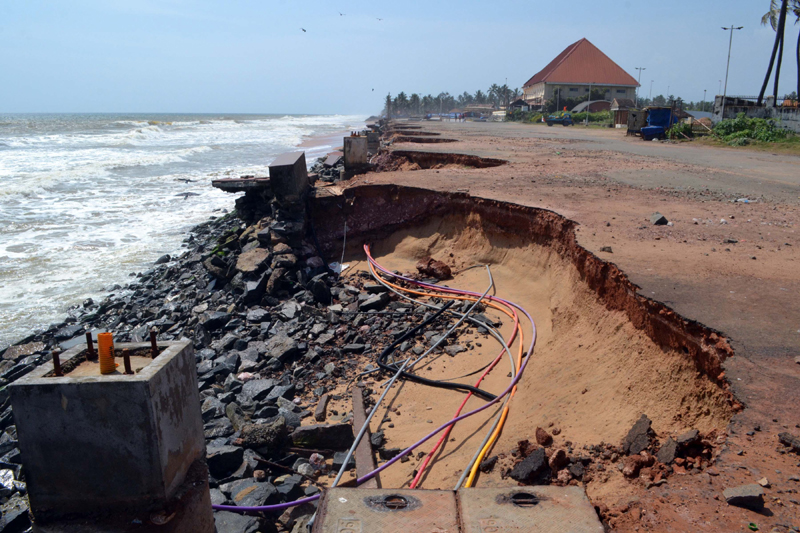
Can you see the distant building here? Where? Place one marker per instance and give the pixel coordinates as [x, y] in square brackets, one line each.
[574, 70]
[519, 105]
[620, 108]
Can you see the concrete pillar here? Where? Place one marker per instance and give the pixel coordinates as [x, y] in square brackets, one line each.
[102, 452]
[373, 141]
[355, 154]
[288, 176]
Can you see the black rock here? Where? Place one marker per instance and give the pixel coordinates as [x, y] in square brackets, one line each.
[223, 460]
[666, 454]
[217, 498]
[787, 439]
[216, 321]
[338, 461]
[281, 391]
[389, 453]
[282, 347]
[219, 427]
[68, 332]
[377, 439]
[257, 389]
[14, 515]
[257, 316]
[254, 290]
[328, 436]
[577, 470]
[638, 438]
[250, 493]
[533, 470]
[228, 522]
[163, 259]
[657, 219]
[265, 437]
[376, 302]
[320, 290]
[687, 439]
[487, 465]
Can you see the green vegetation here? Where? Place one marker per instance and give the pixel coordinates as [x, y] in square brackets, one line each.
[742, 131]
[417, 104]
[600, 117]
[680, 131]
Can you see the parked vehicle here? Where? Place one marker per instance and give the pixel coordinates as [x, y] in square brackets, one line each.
[564, 119]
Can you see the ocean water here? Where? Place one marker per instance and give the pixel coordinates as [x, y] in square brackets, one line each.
[85, 200]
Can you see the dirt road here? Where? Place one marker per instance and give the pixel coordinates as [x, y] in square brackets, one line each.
[731, 265]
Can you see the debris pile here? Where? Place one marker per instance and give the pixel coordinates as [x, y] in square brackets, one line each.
[641, 457]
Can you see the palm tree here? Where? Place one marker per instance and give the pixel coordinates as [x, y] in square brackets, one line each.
[480, 98]
[413, 103]
[776, 17]
[388, 105]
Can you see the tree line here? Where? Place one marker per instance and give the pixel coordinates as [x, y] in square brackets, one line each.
[418, 104]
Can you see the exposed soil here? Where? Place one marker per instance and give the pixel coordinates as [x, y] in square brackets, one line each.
[407, 160]
[598, 343]
[422, 140]
[414, 133]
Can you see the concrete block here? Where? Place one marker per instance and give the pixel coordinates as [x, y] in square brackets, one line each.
[355, 154]
[288, 176]
[93, 443]
[373, 141]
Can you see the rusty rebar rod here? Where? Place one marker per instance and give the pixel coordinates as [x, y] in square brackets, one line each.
[153, 344]
[126, 358]
[90, 353]
[57, 363]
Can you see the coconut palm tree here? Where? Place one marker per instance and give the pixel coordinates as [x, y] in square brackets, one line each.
[413, 103]
[776, 17]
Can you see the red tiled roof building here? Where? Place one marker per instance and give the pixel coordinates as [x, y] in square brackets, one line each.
[580, 65]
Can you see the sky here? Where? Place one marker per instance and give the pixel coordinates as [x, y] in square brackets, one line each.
[251, 56]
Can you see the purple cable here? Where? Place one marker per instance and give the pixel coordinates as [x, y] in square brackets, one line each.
[282, 506]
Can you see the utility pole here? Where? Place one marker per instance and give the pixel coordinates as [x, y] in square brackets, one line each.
[730, 43]
[640, 69]
[651, 92]
[704, 101]
[588, 104]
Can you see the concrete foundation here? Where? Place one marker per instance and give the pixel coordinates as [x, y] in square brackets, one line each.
[355, 154]
[288, 177]
[373, 141]
[95, 445]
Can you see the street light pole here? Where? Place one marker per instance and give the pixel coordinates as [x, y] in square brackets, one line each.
[639, 82]
[730, 43]
[588, 105]
[651, 92]
[704, 101]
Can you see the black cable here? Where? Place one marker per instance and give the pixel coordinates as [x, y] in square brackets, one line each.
[425, 381]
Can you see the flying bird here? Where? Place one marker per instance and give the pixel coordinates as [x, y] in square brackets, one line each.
[304, 30]
[341, 14]
[380, 19]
